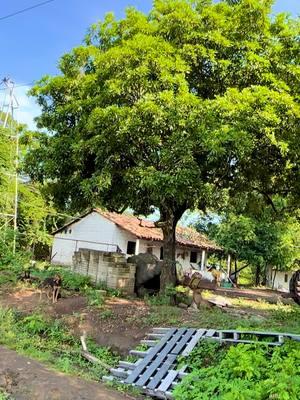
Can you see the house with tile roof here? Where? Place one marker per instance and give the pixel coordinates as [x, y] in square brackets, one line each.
[122, 233]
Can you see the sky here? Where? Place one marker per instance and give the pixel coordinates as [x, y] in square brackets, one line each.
[32, 43]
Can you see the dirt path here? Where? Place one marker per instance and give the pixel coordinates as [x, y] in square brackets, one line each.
[26, 379]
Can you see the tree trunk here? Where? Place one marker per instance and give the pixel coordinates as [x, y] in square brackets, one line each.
[168, 225]
[257, 276]
[235, 279]
[273, 280]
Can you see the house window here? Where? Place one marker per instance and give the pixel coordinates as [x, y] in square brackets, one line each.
[193, 257]
[150, 250]
[161, 256]
[70, 230]
[286, 277]
[131, 247]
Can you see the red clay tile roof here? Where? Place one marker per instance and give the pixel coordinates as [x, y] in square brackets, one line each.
[146, 230]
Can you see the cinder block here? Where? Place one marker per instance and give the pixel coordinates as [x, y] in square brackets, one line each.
[109, 268]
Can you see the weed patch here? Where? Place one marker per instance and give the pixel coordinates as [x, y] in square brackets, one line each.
[5, 396]
[107, 314]
[161, 315]
[281, 318]
[70, 280]
[50, 342]
[242, 372]
[93, 297]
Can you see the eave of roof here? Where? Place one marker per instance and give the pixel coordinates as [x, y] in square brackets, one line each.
[146, 230]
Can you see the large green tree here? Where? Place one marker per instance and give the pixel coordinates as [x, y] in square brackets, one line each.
[260, 243]
[170, 109]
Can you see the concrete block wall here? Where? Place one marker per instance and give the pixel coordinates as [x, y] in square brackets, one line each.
[108, 268]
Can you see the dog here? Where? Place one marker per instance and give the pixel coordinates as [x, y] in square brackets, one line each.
[52, 286]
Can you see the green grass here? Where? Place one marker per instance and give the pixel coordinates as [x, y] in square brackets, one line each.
[280, 318]
[158, 315]
[243, 314]
[70, 280]
[5, 396]
[7, 277]
[107, 314]
[275, 317]
[49, 341]
[94, 298]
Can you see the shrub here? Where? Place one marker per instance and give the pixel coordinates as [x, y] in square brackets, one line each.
[245, 372]
[204, 355]
[70, 280]
[34, 324]
[4, 396]
[94, 297]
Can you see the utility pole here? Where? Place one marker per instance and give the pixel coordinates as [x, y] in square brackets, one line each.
[9, 105]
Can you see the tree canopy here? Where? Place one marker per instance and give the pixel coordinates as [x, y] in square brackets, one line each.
[173, 110]
[260, 243]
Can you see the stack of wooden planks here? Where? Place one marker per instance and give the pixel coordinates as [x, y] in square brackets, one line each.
[155, 371]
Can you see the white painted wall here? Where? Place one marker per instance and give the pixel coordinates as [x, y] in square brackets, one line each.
[279, 282]
[182, 254]
[81, 234]
[96, 228]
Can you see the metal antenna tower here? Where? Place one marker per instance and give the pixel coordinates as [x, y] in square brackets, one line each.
[9, 105]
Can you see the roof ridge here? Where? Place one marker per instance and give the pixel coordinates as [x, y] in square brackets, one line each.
[185, 235]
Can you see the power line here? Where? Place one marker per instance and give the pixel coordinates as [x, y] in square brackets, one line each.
[26, 9]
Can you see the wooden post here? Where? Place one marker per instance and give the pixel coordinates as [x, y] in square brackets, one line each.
[203, 260]
[228, 264]
[137, 247]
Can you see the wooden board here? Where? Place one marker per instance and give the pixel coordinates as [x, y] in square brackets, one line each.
[155, 371]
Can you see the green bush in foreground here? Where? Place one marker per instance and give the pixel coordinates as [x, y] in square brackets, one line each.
[4, 396]
[70, 280]
[242, 372]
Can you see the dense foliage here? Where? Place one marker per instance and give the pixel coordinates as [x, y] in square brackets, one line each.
[243, 372]
[172, 109]
[261, 243]
[35, 215]
[257, 235]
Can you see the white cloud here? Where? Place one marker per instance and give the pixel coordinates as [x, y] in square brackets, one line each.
[28, 109]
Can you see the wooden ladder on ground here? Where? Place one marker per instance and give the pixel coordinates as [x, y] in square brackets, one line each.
[155, 370]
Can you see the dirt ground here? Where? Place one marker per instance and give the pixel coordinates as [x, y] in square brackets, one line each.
[271, 296]
[26, 379]
[110, 327]
[115, 327]
[118, 323]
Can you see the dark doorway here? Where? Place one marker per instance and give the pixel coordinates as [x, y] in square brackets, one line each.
[150, 288]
